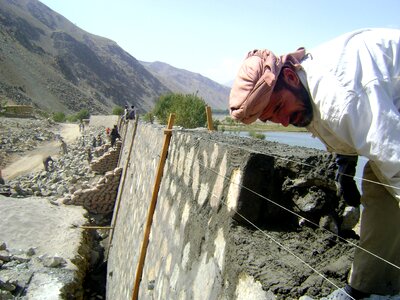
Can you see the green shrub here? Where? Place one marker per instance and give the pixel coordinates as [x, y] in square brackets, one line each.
[229, 121]
[59, 117]
[257, 135]
[216, 123]
[189, 110]
[83, 114]
[163, 108]
[72, 118]
[118, 110]
[148, 117]
[42, 113]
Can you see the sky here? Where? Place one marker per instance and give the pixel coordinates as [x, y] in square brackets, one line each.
[212, 37]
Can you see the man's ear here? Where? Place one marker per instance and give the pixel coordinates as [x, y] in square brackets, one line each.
[291, 77]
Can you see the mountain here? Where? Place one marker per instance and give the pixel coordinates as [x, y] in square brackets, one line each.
[47, 61]
[185, 82]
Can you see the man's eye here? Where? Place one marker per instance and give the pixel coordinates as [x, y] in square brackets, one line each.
[277, 108]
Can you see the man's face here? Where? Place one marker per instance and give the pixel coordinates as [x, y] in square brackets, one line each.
[290, 105]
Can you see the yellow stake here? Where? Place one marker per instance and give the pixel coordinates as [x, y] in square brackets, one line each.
[152, 207]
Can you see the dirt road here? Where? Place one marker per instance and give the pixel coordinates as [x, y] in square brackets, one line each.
[32, 161]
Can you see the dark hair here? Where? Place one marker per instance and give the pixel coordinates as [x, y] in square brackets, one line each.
[280, 81]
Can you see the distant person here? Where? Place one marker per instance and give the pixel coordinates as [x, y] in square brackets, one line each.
[99, 140]
[81, 126]
[2, 179]
[89, 155]
[132, 113]
[126, 113]
[46, 162]
[94, 142]
[108, 131]
[82, 141]
[64, 148]
[114, 135]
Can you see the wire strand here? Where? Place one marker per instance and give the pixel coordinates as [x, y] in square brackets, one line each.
[288, 210]
[275, 240]
[305, 164]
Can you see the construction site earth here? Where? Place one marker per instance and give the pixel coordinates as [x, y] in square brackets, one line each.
[55, 224]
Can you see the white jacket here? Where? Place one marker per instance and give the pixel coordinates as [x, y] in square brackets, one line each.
[354, 84]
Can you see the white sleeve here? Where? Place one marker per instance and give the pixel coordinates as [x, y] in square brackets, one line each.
[371, 123]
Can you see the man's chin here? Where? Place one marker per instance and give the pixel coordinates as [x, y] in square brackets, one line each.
[299, 125]
[302, 123]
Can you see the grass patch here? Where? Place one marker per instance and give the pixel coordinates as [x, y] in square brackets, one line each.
[257, 135]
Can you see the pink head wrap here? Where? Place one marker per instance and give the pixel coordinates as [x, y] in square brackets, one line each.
[255, 81]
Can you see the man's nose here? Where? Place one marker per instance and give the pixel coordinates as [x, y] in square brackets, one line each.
[285, 120]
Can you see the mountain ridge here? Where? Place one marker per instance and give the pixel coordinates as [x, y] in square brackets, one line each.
[187, 82]
[47, 61]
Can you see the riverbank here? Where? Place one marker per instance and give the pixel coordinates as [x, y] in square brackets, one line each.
[259, 126]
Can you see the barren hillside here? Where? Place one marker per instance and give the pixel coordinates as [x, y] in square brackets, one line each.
[47, 61]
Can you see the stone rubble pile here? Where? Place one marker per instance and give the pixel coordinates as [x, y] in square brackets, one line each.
[99, 199]
[17, 136]
[64, 172]
[108, 161]
[26, 263]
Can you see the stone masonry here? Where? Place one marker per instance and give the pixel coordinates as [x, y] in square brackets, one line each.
[222, 203]
[108, 161]
[100, 198]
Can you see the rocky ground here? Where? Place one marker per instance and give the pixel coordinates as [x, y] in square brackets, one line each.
[32, 206]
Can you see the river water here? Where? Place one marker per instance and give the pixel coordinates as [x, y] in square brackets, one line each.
[303, 139]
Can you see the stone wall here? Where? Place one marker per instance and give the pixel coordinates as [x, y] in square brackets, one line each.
[108, 160]
[221, 199]
[100, 198]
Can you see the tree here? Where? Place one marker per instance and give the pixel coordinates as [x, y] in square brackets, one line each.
[118, 110]
[148, 117]
[164, 107]
[83, 114]
[189, 110]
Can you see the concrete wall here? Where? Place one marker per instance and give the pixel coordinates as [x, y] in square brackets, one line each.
[193, 251]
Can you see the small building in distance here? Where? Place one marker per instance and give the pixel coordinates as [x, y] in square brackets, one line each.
[18, 111]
